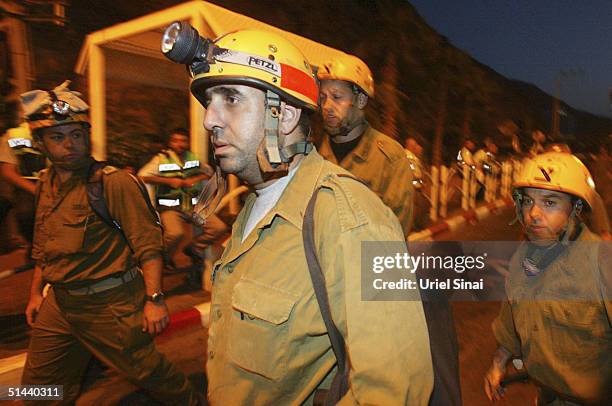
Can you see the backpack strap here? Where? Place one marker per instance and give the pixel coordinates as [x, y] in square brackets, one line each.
[95, 194]
[97, 202]
[339, 386]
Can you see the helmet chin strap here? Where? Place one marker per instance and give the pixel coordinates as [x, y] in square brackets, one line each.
[210, 197]
[273, 158]
[518, 201]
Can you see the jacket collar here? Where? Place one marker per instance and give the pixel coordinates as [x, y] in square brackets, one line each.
[361, 151]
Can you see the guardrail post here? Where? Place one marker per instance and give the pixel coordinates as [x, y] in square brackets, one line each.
[473, 188]
[465, 187]
[435, 187]
[506, 178]
[443, 191]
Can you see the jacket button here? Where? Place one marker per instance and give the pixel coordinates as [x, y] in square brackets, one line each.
[211, 354]
[218, 313]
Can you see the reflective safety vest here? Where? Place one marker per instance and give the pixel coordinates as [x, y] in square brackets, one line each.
[170, 166]
[31, 161]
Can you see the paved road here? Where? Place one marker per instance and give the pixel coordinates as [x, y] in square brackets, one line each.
[187, 347]
[473, 321]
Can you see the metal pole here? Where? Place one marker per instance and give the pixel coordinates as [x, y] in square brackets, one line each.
[97, 101]
[473, 188]
[506, 173]
[435, 186]
[443, 191]
[465, 187]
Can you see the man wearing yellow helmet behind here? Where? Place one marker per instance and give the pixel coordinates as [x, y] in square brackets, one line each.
[346, 84]
[557, 318]
[269, 338]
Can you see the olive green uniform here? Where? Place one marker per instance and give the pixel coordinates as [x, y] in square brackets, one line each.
[267, 340]
[559, 322]
[382, 164]
[76, 249]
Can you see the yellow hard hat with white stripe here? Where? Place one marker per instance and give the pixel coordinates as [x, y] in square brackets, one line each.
[262, 59]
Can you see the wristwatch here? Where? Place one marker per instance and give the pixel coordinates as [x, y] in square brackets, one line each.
[157, 297]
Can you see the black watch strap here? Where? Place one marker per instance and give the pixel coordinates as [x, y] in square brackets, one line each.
[156, 297]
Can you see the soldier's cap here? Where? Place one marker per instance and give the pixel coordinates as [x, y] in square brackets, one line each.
[42, 108]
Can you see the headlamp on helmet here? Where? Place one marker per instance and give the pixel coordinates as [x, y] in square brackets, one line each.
[42, 108]
[261, 59]
[182, 44]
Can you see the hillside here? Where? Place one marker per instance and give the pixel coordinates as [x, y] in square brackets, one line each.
[426, 87]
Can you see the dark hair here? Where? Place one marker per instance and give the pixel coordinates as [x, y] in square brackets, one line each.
[304, 123]
[181, 131]
[38, 132]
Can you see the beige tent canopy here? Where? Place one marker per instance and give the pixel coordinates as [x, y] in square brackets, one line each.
[131, 51]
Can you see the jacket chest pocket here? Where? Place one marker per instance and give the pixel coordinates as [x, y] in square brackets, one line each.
[68, 234]
[259, 328]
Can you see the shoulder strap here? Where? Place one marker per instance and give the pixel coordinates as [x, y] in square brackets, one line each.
[95, 194]
[97, 202]
[339, 385]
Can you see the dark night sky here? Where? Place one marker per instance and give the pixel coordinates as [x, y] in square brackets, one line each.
[535, 40]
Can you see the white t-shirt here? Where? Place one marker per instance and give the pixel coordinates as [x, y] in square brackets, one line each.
[266, 199]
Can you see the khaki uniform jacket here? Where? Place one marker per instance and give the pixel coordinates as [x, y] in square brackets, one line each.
[559, 322]
[74, 246]
[382, 164]
[267, 340]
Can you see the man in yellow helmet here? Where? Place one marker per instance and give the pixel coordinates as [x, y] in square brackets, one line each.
[105, 298]
[346, 84]
[268, 340]
[557, 318]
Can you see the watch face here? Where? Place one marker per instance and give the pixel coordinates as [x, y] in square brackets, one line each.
[157, 297]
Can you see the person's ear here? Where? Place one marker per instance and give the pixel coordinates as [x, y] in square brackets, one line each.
[289, 118]
[38, 141]
[362, 100]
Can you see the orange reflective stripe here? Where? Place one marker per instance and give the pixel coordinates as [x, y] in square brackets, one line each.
[299, 81]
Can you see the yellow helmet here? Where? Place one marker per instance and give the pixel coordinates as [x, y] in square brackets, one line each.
[262, 59]
[351, 69]
[558, 171]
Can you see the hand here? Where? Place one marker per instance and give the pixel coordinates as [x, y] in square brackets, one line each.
[492, 382]
[33, 308]
[155, 318]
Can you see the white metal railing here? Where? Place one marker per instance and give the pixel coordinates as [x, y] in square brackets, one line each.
[489, 182]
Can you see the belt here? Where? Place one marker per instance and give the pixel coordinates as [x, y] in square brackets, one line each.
[106, 284]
